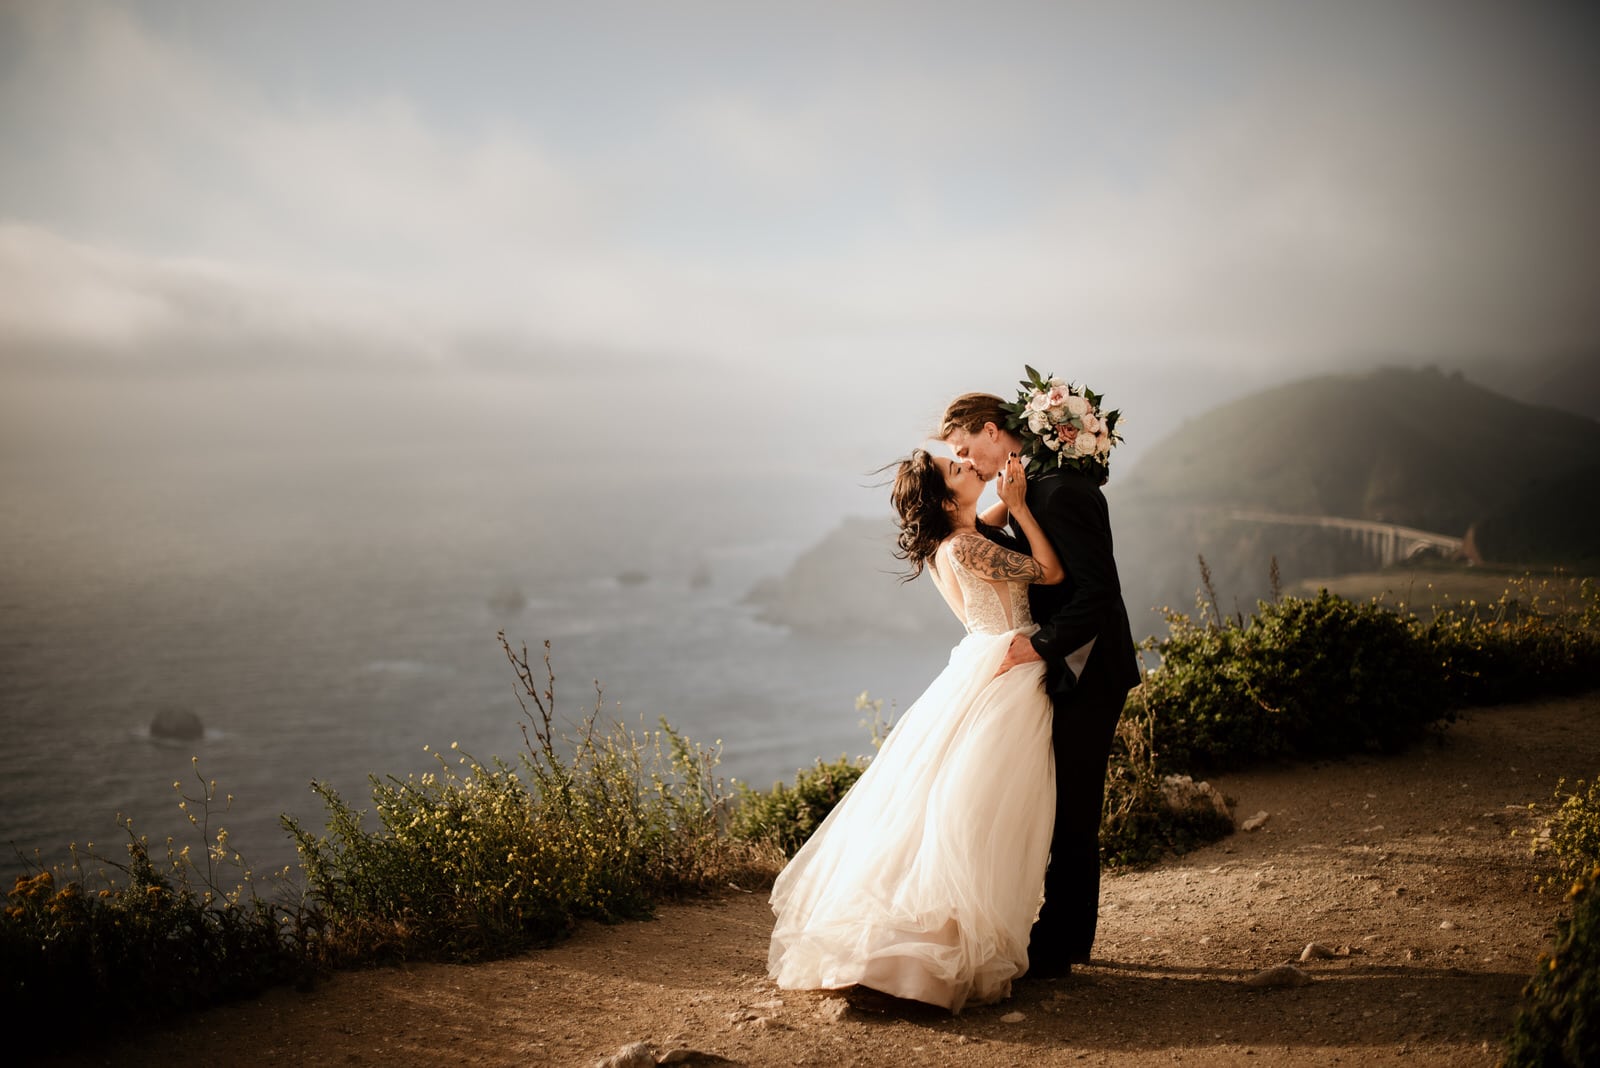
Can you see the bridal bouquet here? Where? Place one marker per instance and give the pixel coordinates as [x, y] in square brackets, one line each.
[1063, 425]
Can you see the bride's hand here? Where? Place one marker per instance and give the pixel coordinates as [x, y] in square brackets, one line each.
[1013, 487]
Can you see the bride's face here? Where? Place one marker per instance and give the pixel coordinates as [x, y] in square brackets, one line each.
[962, 481]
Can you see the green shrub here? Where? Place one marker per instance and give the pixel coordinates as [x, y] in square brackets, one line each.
[1558, 1023]
[1573, 839]
[1301, 678]
[785, 816]
[478, 860]
[1539, 637]
[145, 940]
[1139, 826]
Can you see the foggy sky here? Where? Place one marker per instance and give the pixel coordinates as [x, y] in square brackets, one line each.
[783, 201]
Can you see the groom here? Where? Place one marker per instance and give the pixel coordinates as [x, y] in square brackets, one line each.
[1090, 665]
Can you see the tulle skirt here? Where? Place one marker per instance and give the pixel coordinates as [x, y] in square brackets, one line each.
[927, 876]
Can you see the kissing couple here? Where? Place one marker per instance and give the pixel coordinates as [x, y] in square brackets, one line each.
[967, 854]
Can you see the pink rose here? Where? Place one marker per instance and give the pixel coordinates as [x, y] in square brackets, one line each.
[1090, 422]
[1057, 396]
[1066, 433]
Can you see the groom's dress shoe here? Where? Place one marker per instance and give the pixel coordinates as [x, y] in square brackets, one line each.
[1049, 970]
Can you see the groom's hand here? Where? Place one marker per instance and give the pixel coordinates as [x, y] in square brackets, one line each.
[1020, 652]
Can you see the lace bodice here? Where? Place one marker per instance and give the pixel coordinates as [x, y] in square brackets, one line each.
[990, 607]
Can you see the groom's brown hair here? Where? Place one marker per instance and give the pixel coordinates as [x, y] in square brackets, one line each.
[970, 411]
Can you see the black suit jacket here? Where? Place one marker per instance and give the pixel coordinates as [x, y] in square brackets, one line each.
[1087, 605]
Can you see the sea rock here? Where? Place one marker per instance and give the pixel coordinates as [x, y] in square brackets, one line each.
[1255, 822]
[1181, 792]
[1284, 975]
[1317, 951]
[832, 1010]
[633, 1055]
[1012, 1017]
[177, 723]
[510, 601]
[680, 1054]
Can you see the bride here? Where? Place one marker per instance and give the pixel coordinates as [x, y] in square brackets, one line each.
[925, 879]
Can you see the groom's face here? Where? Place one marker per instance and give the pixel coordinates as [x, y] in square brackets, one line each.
[985, 449]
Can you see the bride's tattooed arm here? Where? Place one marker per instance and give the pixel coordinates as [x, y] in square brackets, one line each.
[994, 562]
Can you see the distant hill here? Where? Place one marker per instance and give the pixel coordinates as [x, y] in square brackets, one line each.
[1418, 448]
[850, 582]
[1554, 520]
[1569, 382]
[1413, 447]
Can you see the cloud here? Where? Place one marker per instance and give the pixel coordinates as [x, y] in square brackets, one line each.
[71, 299]
[937, 204]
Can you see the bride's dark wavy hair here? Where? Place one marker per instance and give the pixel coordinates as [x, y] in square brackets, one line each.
[921, 501]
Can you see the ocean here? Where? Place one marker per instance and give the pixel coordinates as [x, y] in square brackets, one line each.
[327, 620]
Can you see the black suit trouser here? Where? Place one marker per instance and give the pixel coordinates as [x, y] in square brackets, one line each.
[1083, 726]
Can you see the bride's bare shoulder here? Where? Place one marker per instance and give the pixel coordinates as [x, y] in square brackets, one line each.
[962, 545]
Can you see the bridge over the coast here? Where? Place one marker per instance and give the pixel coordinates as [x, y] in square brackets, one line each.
[1387, 541]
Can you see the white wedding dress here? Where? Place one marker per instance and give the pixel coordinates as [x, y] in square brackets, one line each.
[925, 879]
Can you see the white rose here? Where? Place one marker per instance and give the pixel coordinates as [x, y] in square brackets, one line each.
[1084, 443]
[1052, 443]
[1058, 383]
[1038, 402]
[1038, 422]
[1090, 423]
[1078, 406]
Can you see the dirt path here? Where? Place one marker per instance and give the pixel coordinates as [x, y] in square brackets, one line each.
[1408, 861]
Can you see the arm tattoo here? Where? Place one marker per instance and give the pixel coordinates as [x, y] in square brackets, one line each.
[994, 562]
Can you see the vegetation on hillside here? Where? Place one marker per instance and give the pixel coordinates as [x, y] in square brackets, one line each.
[1413, 447]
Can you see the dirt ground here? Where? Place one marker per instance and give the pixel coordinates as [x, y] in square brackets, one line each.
[1405, 867]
